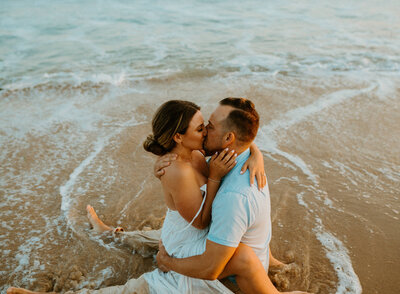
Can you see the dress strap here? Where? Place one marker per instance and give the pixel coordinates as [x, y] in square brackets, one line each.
[198, 212]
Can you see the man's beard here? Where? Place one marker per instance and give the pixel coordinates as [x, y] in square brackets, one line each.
[208, 152]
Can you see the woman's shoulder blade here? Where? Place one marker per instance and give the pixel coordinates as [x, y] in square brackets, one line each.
[177, 171]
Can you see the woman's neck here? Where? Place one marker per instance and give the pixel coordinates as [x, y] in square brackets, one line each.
[183, 153]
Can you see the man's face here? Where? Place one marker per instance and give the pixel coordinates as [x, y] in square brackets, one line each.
[216, 130]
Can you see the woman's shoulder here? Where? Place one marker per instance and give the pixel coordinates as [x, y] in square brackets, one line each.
[200, 163]
[178, 170]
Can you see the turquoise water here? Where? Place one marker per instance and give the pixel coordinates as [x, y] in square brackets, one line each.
[46, 42]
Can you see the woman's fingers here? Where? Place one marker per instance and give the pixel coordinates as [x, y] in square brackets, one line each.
[232, 163]
[214, 156]
[222, 154]
[232, 158]
[229, 156]
[244, 167]
[252, 176]
[261, 180]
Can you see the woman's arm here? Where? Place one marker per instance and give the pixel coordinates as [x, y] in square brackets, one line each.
[219, 166]
[255, 164]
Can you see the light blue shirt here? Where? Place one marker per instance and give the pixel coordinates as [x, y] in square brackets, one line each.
[242, 213]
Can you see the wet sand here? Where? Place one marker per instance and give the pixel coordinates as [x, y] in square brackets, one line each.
[331, 155]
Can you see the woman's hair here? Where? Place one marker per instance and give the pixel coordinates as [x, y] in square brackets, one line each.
[171, 118]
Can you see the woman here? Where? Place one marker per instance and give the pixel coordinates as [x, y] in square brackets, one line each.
[189, 186]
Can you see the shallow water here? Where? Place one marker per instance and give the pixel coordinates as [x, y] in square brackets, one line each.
[80, 83]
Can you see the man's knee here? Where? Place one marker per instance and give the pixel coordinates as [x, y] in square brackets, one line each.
[245, 257]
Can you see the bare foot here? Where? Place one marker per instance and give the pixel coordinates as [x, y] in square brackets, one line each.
[94, 220]
[13, 290]
[273, 262]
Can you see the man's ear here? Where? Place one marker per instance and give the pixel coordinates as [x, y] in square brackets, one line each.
[229, 138]
[177, 138]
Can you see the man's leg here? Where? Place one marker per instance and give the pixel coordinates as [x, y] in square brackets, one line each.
[249, 272]
[133, 286]
[273, 261]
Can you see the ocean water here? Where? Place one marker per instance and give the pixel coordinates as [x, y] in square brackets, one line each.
[79, 83]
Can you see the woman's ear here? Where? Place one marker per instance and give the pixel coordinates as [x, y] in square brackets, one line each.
[177, 138]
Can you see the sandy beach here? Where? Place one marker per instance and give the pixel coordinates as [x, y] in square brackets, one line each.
[78, 94]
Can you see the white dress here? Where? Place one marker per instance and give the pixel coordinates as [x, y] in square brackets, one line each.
[182, 240]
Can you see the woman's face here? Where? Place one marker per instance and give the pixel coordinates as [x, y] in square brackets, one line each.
[195, 134]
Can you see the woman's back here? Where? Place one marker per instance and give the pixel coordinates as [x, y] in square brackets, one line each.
[179, 237]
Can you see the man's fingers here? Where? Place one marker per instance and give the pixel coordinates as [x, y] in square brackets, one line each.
[165, 160]
[164, 163]
[169, 157]
[160, 173]
[160, 245]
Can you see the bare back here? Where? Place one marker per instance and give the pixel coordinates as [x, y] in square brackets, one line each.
[181, 185]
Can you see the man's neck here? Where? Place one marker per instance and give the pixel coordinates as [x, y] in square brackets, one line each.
[239, 148]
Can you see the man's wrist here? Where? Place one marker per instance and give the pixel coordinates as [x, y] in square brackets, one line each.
[168, 261]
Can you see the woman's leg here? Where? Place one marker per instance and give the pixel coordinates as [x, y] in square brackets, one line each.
[132, 286]
[249, 272]
[143, 242]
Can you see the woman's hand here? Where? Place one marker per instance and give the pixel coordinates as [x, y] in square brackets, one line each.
[255, 164]
[221, 164]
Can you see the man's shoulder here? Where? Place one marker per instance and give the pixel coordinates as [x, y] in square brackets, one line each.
[238, 188]
[237, 183]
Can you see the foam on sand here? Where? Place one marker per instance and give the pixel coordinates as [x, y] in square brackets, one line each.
[267, 138]
[341, 261]
[66, 190]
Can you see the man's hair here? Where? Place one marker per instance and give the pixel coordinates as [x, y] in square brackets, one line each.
[243, 120]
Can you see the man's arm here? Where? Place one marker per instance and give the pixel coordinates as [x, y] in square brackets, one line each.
[207, 266]
[161, 163]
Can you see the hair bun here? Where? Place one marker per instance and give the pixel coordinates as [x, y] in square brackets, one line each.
[152, 145]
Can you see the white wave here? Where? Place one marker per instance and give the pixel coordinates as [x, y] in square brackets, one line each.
[122, 213]
[390, 174]
[66, 190]
[300, 199]
[338, 255]
[113, 79]
[268, 135]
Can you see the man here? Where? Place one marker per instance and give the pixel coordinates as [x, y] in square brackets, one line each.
[240, 212]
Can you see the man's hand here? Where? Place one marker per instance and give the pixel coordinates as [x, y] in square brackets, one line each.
[161, 163]
[161, 257]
